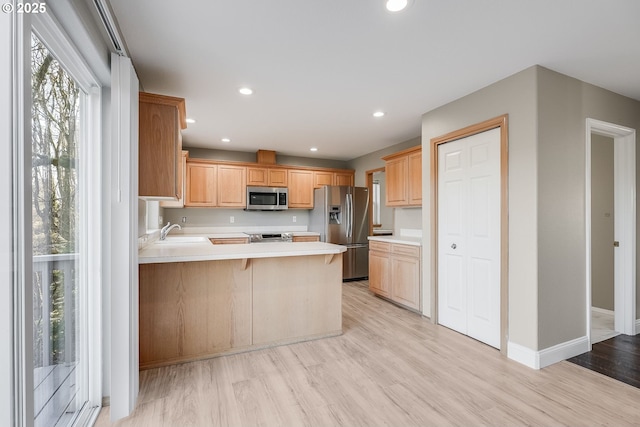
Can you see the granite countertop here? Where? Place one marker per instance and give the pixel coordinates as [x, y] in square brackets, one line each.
[206, 251]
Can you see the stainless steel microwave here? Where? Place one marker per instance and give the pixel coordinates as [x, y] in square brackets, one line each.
[267, 199]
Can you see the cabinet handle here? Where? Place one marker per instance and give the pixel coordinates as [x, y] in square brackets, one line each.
[453, 246]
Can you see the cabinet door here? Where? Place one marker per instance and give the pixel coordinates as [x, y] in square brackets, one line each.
[415, 179]
[343, 178]
[159, 148]
[379, 273]
[232, 186]
[396, 174]
[405, 287]
[277, 177]
[182, 183]
[257, 176]
[322, 178]
[201, 185]
[300, 189]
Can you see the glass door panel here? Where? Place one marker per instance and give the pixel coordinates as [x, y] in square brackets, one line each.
[58, 248]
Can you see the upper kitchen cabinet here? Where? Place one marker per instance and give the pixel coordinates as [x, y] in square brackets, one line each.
[300, 189]
[343, 178]
[201, 185]
[404, 178]
[321, 178]
[161, 119]
[232, 185]
[269, 177]
[183, 182]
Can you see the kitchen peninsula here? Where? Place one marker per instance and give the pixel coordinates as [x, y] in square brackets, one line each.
[199, 300]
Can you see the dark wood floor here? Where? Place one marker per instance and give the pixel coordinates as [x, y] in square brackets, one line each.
[617, 357]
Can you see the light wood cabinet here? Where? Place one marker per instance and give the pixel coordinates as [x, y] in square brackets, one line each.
[415, 178]
[306, 239]
[379, 269]
[404, 178]
[268, 177]
[229, 240]
[161, 119]
[183, 184]
[322, 178]
[300, 189]
[230, 181]
[343, 178]
[232, 186]
[201, 185]
[394, 272]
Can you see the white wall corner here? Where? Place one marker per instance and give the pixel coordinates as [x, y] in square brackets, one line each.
[524, 355]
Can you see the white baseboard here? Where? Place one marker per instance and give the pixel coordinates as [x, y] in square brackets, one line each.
[548, 356]
[602, 310]
[522, 354]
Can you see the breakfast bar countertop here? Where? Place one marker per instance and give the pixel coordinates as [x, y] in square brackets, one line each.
[206, 251]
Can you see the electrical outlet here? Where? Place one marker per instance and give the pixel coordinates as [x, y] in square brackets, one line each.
[184, 219]
[232, 219]
[160, 222]
[294, 218]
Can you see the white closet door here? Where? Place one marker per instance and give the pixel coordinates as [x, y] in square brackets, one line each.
[469, 236]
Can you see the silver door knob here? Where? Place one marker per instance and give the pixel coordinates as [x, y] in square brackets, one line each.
[453, 246]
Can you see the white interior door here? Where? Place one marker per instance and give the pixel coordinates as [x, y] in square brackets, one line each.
[469, 236]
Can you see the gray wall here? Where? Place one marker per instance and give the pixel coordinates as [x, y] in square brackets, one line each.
[547, 121]
[602, 208]
[516, 96]
[361, 165]
[564, 105]
[374, 160]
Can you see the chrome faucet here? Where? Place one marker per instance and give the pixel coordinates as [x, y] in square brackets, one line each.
[167, 228]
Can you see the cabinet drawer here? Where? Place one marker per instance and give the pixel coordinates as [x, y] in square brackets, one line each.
[306, 238]
[406, 250]
[379, 246]
[230, 241]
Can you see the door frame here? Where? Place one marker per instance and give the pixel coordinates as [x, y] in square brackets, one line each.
[496, 122]
[624, 171]
[369, 177]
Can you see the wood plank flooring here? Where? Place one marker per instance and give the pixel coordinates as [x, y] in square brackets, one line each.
[617, 357]
[391, 367]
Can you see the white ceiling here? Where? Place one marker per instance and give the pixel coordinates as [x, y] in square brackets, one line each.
[320, 68]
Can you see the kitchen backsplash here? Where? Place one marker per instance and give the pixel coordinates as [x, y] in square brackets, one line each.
[216, 217]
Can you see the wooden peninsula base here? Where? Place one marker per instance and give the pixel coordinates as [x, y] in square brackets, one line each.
[199, 309]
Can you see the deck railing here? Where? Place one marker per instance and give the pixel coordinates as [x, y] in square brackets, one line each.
[54, 278]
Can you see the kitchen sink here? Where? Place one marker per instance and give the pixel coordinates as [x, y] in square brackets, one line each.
[172, 240]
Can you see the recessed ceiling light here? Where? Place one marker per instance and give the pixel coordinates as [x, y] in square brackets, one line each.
[191, 120]
[245, 90]
[396, 5]
[225, 140]
[378, 114]
[313, 149]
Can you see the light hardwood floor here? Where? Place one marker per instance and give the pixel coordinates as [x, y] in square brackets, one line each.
[391, 367]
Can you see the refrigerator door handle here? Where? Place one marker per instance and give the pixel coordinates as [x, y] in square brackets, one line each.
[349, 204]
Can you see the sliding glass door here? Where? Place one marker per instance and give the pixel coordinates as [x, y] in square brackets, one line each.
[61, 177]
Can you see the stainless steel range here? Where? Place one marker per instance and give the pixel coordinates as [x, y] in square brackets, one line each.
[270, 237]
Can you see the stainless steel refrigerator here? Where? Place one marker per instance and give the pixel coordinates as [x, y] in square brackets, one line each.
[341, 215]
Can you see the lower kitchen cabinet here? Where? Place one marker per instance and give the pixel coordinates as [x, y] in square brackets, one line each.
[394, 272]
